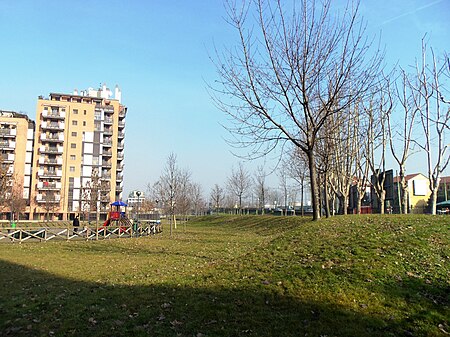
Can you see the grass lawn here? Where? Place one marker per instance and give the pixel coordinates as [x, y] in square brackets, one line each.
[237, 276]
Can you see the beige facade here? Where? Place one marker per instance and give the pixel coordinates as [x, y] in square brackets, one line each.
[16, 151]
[418, 192]
[78, 153]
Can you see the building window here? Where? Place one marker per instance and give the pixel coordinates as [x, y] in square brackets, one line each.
[74, 134]
[73, 146]
[72, 169]
[73, 157]
[74, 123]
[85, 112]
[84, 123]
[75, 111]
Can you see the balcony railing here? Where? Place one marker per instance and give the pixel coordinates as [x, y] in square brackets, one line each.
[108, 120]
[53, 126]
[47, 161]
[8, 132]
[48, 199]
[7, 157]
[54, 114]
[51, 150]
[8, 144]
[48, 186]
[51, 174]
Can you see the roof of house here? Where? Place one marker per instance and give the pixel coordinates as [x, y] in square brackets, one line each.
[407, 177]
[411, 176]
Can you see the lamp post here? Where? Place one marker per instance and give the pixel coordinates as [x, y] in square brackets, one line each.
[138, 193]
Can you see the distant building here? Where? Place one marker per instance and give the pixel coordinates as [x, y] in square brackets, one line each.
[78, 153]
[16, 151]
[388, 186]
[418, 193]
[135, 197]
[444, 189]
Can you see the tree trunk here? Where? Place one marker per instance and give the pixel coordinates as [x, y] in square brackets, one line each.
[302, 198]
[314, 187]
[358, 204]
[433, 198]
[326, 197]
[382, 199]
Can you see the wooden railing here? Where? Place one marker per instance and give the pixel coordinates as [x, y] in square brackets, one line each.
[89, 232]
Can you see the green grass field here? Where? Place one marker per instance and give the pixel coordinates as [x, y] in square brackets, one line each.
[237, 276]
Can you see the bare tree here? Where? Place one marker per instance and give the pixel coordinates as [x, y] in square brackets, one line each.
[434, 112]
[4, 182]
[402, 133]
[297, 166]
[217, 197]
[345, 146]
[239, 184]
[378, 107]
[283, 81]
[261, 188]
[169, 189]
[284, 185]
[197, 200]
[184, 200]
[16, 201]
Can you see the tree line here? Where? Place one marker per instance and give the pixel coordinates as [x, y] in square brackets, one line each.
[308, 81]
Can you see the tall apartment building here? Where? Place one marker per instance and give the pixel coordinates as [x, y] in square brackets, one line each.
[16, 154]
[78, 153]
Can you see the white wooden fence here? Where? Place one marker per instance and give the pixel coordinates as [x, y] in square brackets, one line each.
[88, 232]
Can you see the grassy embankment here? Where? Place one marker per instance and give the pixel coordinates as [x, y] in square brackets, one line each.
[237, 276]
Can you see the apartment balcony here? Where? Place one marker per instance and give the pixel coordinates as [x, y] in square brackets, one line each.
[119, 167]
[7, 157]
[119, 188]
[105, 177]
[109, 109]
[47, 161]
[122, 113]
[121, 135]
[121, 124]
[107, 143]
[49, 186]
[119, 177]
[120, 146]
[4, 133]
[7, 145]
[59, 126]
[108, 121]
[54, 114]
[106, 164]
[107, 132]
[107, 153]
[45, 199]
[56, 174]
[120, 156]
[51, 149]
[52, 138]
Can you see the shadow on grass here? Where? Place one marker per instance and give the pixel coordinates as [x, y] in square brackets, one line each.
[36, 303]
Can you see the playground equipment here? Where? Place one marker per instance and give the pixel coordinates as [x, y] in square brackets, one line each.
[117, 217]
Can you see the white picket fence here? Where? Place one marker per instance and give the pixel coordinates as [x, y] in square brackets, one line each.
[10, 234]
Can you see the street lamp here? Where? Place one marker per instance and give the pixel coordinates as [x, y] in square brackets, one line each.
[138, 193]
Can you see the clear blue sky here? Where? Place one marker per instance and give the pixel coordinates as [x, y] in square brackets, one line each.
[157, 51]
